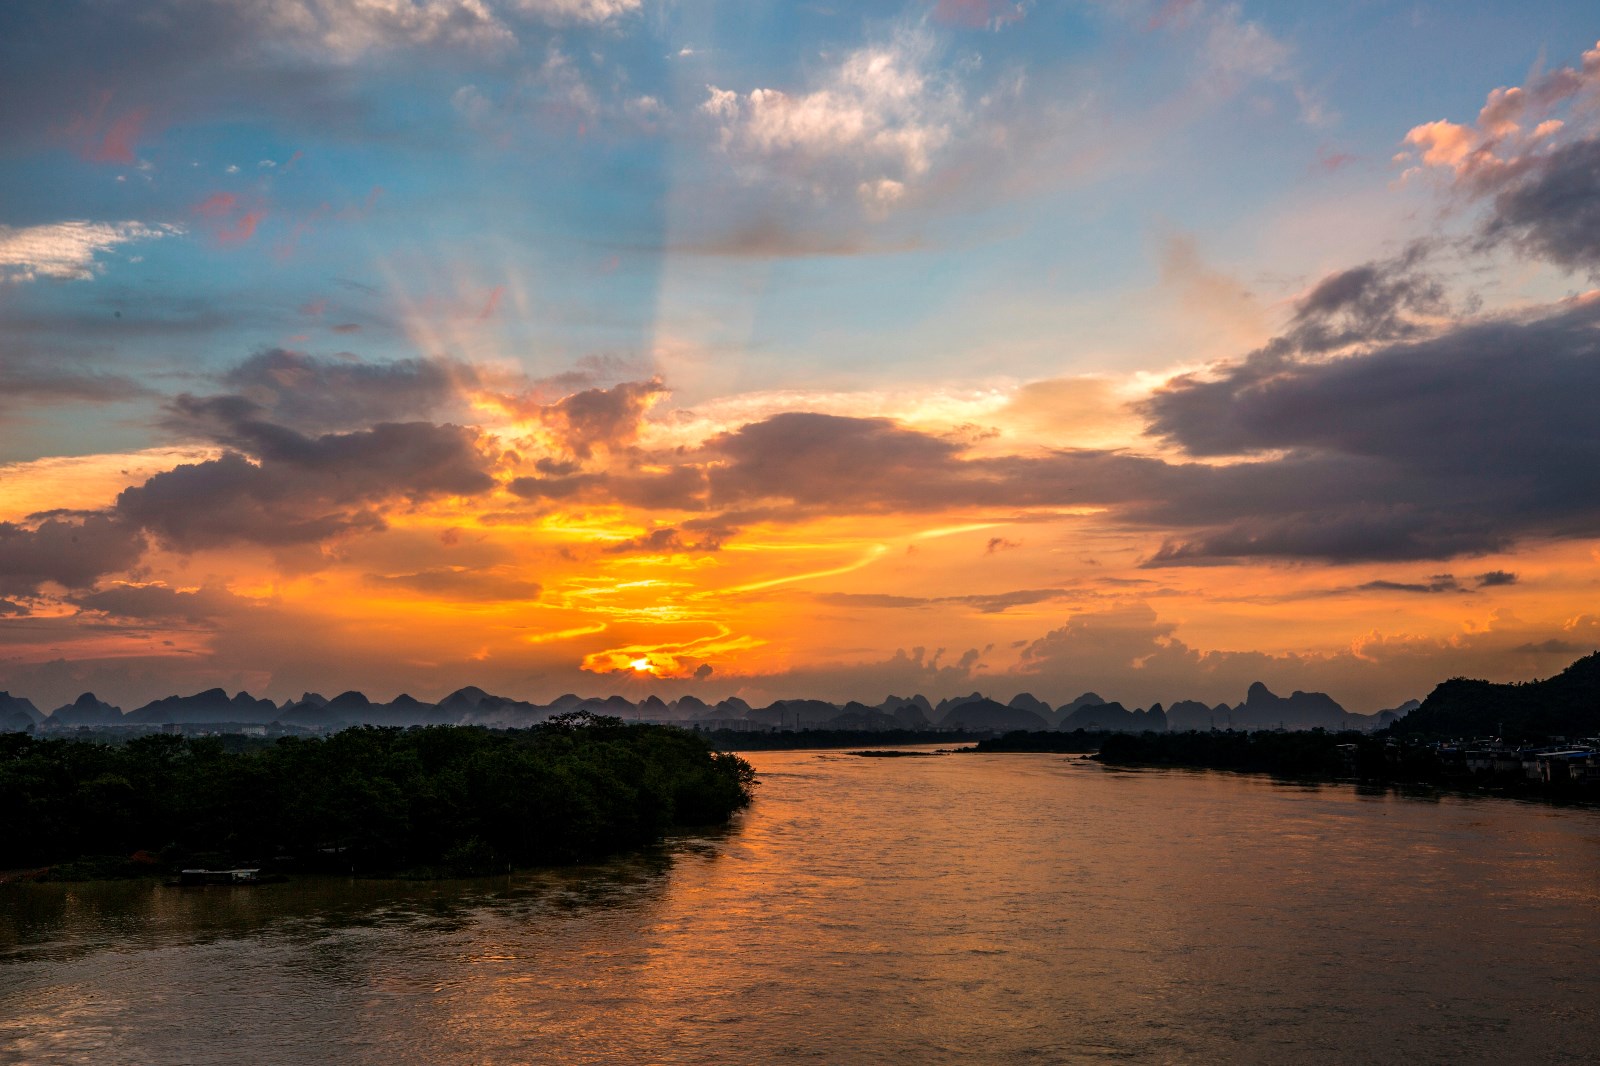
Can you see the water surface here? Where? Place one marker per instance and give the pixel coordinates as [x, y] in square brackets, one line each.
[995, 908]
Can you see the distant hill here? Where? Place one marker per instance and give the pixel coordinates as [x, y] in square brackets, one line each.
[1262, 709]
[18, 713]
[908, 714]
[1027, 701]
[86, 710]
[1565, 705]
[987, 714]
[1388, 717]
[688, 708]
[943, 708]
[795, 714]
[212, 705]
[1186, 715]
[919, 701]
[1066, 710]
[1114, 717]
[861, 717]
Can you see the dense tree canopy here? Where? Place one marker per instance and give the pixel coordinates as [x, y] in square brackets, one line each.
[369, 799]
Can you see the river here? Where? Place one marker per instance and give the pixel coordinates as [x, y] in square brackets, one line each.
[955, 909]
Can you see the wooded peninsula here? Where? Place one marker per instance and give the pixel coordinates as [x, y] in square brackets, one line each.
[430, 801]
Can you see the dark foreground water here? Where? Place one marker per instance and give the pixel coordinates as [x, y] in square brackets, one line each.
[1005, 908]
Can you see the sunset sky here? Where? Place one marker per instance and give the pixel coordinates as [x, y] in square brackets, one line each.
[795, 349]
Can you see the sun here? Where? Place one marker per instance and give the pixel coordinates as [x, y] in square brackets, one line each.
[641, 665]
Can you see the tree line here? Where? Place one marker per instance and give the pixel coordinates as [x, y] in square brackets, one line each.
[437, 799]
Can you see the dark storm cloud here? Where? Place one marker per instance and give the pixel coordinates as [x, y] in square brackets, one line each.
[1460, 443]
[70, 553]
[302, 489]
[1437, 583]
[1372, 303]
[829, 460]
[995, 603]
[680, 487]
[830, 463]
[797, 465]
[311, 393]
[669, 539]
[460, 583]
[32, 382]
[607, 418]
[1394, 532]
[801, 464]
[567, 487]
[1552, 209]
[1367, 303]
[161, 604]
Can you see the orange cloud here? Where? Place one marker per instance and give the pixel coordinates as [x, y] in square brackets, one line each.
[217, 205]
[222, 211]
[242, 229]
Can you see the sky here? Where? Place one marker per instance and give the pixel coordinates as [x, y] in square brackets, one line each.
[795, 350]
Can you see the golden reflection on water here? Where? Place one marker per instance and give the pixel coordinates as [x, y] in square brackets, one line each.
[957, 909]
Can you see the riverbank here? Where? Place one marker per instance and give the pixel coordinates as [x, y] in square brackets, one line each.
[1308, 755]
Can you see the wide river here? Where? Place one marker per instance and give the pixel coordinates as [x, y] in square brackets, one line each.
[970, 908]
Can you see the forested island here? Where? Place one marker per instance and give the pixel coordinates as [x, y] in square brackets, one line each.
[425, 801]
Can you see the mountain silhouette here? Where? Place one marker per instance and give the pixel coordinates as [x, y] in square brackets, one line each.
[212, 705]
[1114, 717]
[86, 710]
[984, 713]
[18, 714]
[1567, 704]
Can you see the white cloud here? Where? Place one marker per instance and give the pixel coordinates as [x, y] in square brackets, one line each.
[67, 250]
[578, 10]
[349, 28]
[879, 196]
[564, 84]
[472, 105]
[1238, 51]
[646, 111]
[1236, 48]
[880, 116]
[564, 90]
